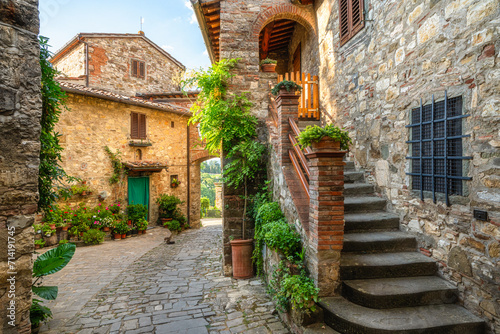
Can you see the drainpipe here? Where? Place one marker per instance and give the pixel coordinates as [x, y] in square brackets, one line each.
[188, 177]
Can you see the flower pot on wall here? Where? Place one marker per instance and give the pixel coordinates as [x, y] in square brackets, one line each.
[241, 251]
[326, 144]
[117, 236]
[269, 68]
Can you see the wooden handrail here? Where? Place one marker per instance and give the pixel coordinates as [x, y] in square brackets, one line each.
[302, 178]
[300, 154]
[296, 132]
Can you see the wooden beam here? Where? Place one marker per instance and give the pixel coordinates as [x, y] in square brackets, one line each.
[265, 40]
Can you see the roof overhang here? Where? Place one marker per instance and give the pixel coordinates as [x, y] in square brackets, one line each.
[208, 15]
[145, 166]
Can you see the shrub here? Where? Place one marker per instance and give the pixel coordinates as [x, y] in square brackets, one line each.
[280, 236]
[137, 211]
[168, 205]
[316, 133]
[40, 242]
[268, 212]
[173, 225]
[93, 237]
[121, 228]
[142, 224]
[205, 205]
[63, 241]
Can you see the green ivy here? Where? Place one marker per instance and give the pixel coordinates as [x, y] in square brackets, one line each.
[116, 164]
[314, 133]
[51, 176]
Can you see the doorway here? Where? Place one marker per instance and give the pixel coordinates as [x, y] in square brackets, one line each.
[138, 190]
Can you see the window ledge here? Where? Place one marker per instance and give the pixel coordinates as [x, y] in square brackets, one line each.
[140, 143]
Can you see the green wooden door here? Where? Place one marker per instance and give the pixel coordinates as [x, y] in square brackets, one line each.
[138, 190]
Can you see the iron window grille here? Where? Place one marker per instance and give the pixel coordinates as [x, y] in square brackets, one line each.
[436, 148]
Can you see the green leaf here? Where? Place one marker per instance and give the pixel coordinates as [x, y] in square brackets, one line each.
[45, 292]
[53, 260]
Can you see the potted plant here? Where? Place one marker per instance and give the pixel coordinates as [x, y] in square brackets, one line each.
[167, 205]
[174, 183]
[121, 229]
[286, 87]
[141, 225]
[38, 228]
[327, 138]
[39, 243]
[268, 65]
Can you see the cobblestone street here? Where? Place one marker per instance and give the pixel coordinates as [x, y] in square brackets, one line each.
[175, 288]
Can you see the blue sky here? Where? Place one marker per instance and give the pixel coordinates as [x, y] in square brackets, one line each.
[169, 23]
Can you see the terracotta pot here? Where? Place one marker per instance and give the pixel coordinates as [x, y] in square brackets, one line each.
[326, 144]
[269, 68]
[241, 251]
[65, 228]
[37, 246]
[117, 236]
[81, 234]
[106, 229]
[124, 236]
[52, 226]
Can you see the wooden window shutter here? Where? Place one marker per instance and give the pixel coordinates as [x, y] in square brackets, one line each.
[134, 68]
[134, 129]
[351, 18]
[142, 126]
[142, 69]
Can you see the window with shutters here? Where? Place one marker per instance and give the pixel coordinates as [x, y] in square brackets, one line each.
[138, 126]
[351, 14]
[138, 69]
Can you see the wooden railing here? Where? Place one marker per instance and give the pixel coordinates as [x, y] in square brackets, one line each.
[309, 96]
[298, 158]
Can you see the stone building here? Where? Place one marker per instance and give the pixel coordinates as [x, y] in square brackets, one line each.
[388, 71]
[20, 112]
[120, 63]
[96, 119]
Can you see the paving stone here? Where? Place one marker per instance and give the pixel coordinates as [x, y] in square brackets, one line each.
[175, 288]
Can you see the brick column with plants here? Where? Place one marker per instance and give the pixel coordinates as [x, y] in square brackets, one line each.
[326, 214]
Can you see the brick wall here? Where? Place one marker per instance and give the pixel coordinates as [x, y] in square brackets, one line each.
[20, 112]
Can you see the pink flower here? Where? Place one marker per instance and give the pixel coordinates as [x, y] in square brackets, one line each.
[98, 210]
[106, 208]
[118, 204]
[99, 203]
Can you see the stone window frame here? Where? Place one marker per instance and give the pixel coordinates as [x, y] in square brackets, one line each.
[136, 64]
[141, 131]
[346, 7]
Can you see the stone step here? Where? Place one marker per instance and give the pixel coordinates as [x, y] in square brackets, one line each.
[353, 176]
[370, 221]
[347, 317]
[399, 292]
[385, 265]
[349, 165]
[364, 203]
[355, 189]
[370, 242]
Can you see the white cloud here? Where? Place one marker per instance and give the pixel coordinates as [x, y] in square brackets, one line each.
[167, 47]
[192, 20]
[205, 53]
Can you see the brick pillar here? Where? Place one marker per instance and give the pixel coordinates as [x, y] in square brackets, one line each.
[288, 106]
[326, 215]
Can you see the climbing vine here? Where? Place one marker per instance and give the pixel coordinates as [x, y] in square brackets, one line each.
[116, 163]
[52, 178]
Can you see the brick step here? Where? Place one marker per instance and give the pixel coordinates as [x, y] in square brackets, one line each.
[356, 189]
[347, 317]
[385, 265]
[353, 176]
[399, 292]
[364, 203]
[371, 221]
[390, 241]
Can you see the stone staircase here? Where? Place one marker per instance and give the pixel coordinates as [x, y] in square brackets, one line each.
[388, 286]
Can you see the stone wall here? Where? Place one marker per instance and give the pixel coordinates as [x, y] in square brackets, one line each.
[92, 123]
[20, 112]
[410, 50]
[110, 66]
[73, 63]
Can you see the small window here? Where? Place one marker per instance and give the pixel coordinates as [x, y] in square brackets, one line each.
[172, 124]
[436, 148]
[138, 69]
[138, 126]
[351, 16]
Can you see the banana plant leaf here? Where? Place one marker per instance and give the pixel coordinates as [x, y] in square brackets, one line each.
[53, 260]
[45, 292]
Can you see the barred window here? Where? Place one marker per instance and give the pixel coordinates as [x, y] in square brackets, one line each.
[436, 148]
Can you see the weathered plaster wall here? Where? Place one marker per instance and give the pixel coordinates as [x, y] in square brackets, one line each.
[93, 123]
[407, 51]
[73, 64]
[20, 112]
[110, 60]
